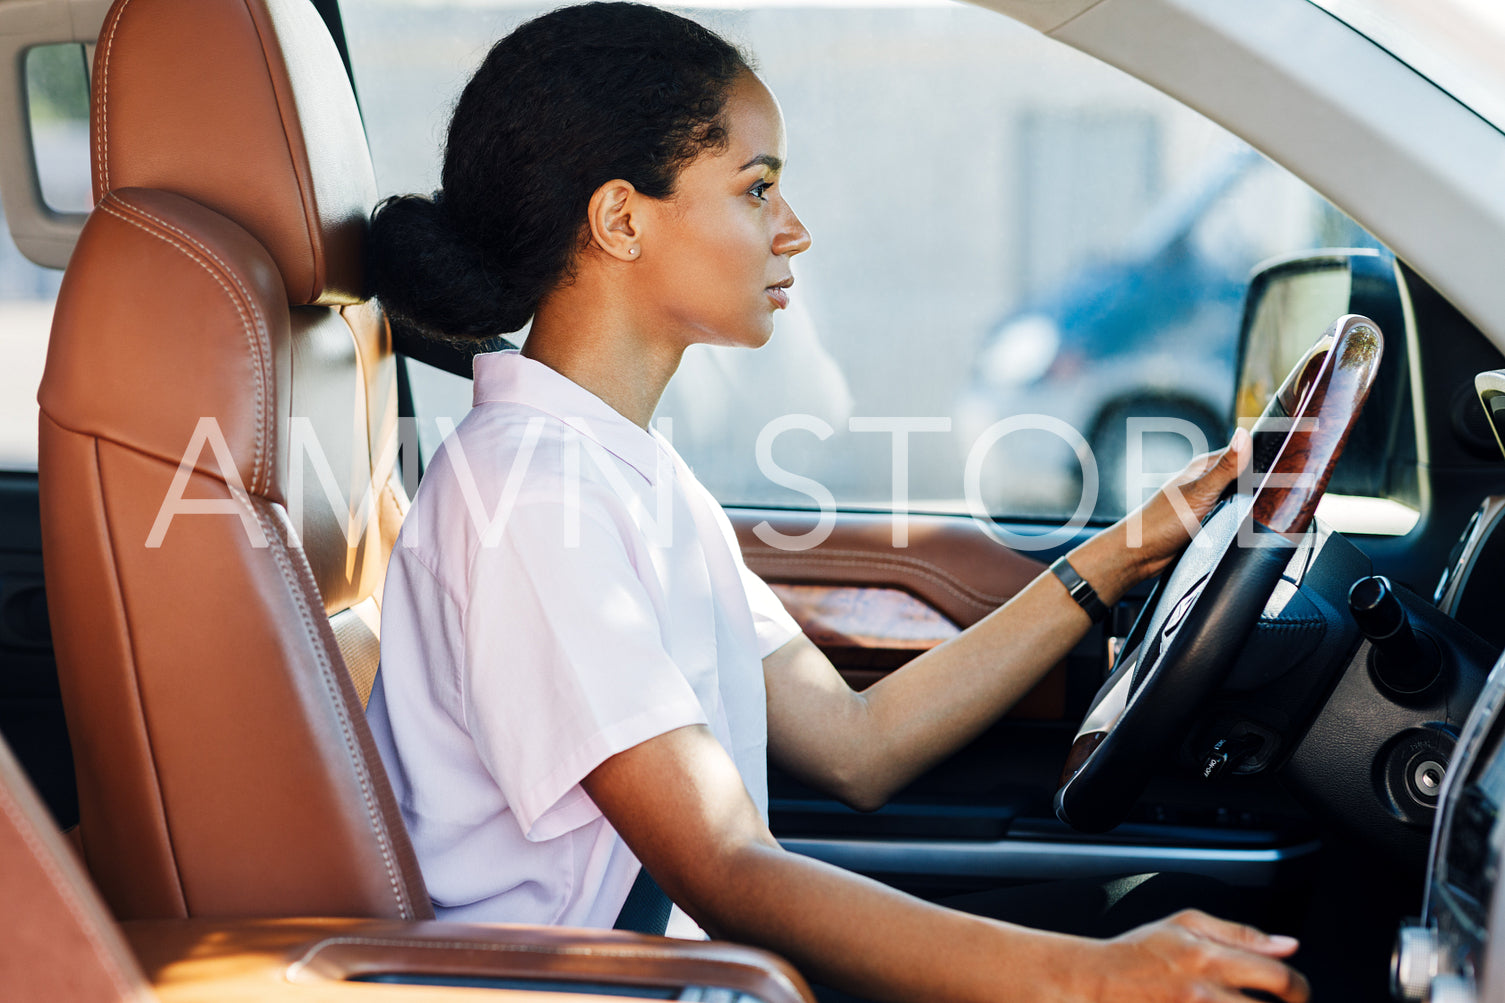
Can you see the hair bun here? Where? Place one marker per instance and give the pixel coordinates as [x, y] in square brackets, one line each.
[566, 102]
[430, 278]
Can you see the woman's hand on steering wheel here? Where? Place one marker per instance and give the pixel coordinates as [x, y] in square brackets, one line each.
[1144, 542]
[1162, 527]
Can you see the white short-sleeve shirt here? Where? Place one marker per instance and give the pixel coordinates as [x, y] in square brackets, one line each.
[562, 590]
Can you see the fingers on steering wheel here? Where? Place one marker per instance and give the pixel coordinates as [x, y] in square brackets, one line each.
[1218, 471]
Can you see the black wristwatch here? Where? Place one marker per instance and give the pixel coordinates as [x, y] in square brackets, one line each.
[1083, 594]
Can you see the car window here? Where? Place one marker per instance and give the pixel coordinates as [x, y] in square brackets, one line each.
[27, 293]
[57, 91]
[1027, 275]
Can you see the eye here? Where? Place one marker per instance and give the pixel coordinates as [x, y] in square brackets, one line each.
[759, 191]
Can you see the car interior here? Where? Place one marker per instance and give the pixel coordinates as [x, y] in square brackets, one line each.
[190, 603]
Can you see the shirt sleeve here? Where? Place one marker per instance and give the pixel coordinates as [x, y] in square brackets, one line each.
[774, 626]
[771, 621]
[565, 664]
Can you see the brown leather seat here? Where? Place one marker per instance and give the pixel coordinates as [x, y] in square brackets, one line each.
[59, 942]
[217, 402]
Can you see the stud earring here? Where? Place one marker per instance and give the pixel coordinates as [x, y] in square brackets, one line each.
[632, 251]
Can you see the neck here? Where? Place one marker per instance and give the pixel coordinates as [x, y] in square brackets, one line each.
[595, 341]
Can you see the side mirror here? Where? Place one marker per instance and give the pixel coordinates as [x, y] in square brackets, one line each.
[1290, 301]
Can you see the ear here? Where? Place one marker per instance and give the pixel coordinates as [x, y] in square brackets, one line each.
[610, 215]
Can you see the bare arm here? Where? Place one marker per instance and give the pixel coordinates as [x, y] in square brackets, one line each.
[861, 747]
[679, 803]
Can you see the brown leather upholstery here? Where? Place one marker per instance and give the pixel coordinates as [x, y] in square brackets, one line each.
[240, 108]
[224, 764]
[59, 943]
[312, 960]
[219, 500]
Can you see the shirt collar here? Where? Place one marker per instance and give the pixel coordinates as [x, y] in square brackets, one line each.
[510, 377]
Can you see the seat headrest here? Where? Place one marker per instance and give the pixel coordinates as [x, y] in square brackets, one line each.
[244, 107]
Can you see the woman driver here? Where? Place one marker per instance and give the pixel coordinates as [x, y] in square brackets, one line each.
[578, 672]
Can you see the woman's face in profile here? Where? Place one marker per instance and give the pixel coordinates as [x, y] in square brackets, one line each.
[715, 261]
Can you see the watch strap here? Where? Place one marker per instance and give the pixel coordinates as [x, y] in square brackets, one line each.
[1083, 594]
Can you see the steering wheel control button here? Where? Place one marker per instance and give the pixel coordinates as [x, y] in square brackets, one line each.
[1227, 754]
[1404, 663]
[1414, 964]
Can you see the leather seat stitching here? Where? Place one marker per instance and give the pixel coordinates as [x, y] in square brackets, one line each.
[378, 829]
[307, 199]
[66, 893]
[263, 346]
[913, 565]
[239, 308]
[102, 144]
[597, 950]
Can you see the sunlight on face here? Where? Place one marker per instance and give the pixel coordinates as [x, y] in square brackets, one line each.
[716, 256]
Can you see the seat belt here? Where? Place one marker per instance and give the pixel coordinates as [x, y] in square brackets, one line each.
[647, 907]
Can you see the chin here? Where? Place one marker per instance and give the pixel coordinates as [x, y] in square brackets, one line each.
[749, 337]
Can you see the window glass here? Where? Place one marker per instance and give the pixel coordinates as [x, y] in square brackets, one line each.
[1016, 250]
[27, 293]
[57, 91]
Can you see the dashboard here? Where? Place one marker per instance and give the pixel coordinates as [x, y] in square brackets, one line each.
[1467, 591]
[1448, 956]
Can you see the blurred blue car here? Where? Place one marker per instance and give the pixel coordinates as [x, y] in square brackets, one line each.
[1150, 334]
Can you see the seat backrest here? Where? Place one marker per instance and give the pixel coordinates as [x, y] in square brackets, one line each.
[217, 402]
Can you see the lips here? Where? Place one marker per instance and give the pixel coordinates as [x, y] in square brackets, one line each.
[779, 293]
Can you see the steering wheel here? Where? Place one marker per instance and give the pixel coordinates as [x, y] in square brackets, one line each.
[1207, 602]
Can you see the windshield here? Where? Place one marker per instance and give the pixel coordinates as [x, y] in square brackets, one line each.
[1454, 43]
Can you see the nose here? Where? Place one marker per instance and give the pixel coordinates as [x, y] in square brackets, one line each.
[792, 237]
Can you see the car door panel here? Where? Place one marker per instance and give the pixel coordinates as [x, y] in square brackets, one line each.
[31, 708]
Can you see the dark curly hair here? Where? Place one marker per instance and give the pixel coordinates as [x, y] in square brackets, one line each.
[568, 101]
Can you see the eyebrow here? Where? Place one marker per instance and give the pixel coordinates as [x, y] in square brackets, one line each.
[772, 163]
